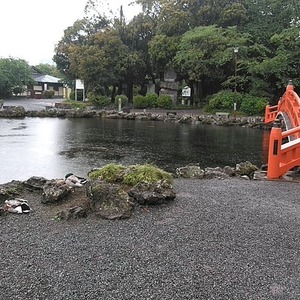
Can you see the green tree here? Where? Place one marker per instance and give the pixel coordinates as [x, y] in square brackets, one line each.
[268, 17]
[283, 65]
[79, 34]
[205, 57]
[136, 35]
[162, 50]
[49, 69]
[14, 73]
[104, 62]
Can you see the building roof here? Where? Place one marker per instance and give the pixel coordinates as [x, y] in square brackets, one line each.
[45, 78]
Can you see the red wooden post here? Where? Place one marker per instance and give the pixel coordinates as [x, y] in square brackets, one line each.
[274, 156]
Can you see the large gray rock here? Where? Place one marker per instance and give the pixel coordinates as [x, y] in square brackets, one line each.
[190, 171]
[75, 212]
[215, 173]
[246, 168]
[36, 183]
[109, 201]
[13, 112]
[152, 193]
[53, 193]
[10, 190]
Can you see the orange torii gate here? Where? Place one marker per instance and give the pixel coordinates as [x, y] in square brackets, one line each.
[284, 144]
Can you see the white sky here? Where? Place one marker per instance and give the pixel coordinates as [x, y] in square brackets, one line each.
[30, 29]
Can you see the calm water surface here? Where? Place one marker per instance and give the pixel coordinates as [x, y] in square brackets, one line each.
[52, 147]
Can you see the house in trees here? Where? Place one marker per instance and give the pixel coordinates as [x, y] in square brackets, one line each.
[43, 83]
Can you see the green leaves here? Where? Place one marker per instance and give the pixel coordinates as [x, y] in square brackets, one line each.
[13, 73]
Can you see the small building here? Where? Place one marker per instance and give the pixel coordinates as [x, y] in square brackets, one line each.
[44, 83]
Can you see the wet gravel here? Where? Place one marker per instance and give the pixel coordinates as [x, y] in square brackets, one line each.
[220, 239]
[32, 104]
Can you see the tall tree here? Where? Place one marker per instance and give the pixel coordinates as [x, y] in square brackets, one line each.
[104, 62]
[50, 70]
[79, 34]
[162, 50]
[206, 57]
[283, 66]
[268, 17]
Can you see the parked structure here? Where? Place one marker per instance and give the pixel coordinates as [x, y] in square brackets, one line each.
[43, 83]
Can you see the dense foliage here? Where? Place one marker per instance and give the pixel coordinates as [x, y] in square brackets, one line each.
[195, 38]
[14, 74]
[245, 103]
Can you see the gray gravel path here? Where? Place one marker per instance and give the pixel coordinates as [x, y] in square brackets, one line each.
[32, 104]
[220, 239]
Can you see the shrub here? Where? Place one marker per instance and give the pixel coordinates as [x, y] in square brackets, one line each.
[99, 101]
[224, 100]
[164, 101]
[252, 105]
[18, 90]
[124, 100]
[152, 99]
[48, 94]
[246, 103]
[140, 101]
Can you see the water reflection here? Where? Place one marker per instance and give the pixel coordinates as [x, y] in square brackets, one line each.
[53, 147]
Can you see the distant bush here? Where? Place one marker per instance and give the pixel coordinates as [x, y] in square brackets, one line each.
[164, 101]
[252, 105]
[48, 94]
[246, 103]
[99, 101]
[124, 100]
[224, 101]
[151, 99]
[140, 101]
[18, 90]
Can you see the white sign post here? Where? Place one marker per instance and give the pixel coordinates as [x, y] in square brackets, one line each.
[79, 85]
[186, 92]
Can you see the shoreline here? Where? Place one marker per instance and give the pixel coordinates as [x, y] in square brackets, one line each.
[183, 117]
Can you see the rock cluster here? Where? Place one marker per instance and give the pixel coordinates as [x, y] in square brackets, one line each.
[106, 200]
[20, 112]
[244, 170]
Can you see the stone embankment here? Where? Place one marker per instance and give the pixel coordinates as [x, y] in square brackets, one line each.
[164, 116]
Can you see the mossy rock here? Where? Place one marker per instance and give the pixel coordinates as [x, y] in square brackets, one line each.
[246, 168]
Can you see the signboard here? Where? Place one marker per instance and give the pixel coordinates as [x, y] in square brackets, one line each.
[79, 84]
[186, 92]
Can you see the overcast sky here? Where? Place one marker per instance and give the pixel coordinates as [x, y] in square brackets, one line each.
[30, 29]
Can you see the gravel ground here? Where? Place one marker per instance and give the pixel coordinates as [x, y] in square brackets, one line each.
[220, 239]
[32, 104]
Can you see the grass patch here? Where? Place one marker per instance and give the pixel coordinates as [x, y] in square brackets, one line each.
[78, 104]
[132, 174]
[110, 173]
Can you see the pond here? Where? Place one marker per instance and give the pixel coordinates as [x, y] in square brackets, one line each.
[52, 147]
